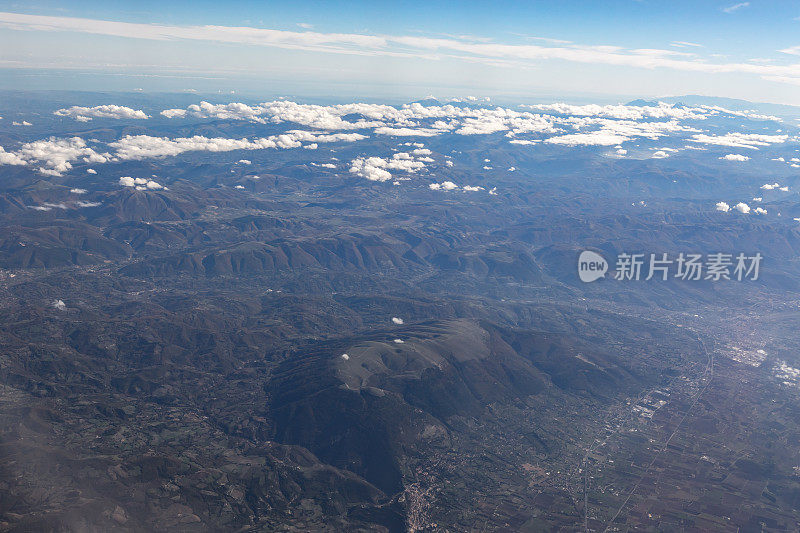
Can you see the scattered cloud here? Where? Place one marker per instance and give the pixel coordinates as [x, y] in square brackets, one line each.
[55, 155]
[444, 186]
[740, 140]
[85, 114]
[377, 168]
[735, 157]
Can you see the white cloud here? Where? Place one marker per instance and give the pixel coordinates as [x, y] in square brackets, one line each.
[91, 171]
[136, 147]
[59, 304]
[622, 112]
[660, 154]
[407, 132]
[595, 138]
[398, 341]
[127, 181]
[760, 211]
[23, 123]
[87, 204]
[78, 191]
[473, 188]
[742, 207]
[444, 186]
[84, 114]
[735, 7]
[684, 44]
[722, 206]
[10, 158]
[735, 157]
[740, 140]
[244, 162]
[770, 186]
[57, 155]
[377, 168]
[397, 320]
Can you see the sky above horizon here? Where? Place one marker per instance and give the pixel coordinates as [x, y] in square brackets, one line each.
[524, 50]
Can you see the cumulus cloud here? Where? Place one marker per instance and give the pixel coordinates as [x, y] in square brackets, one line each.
[770, 186]
[377, 168]
[10, 158]
[722, 206]
[760, 211]
[85, 114]
[735, 157]
[78, 191]
[91, 171]
[742, 207]
[23, 123]
[57, 155]
[59, 304]
[397, 320]
[444, 186]
[660, 154]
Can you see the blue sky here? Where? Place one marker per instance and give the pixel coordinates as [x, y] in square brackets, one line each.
[512, 50]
